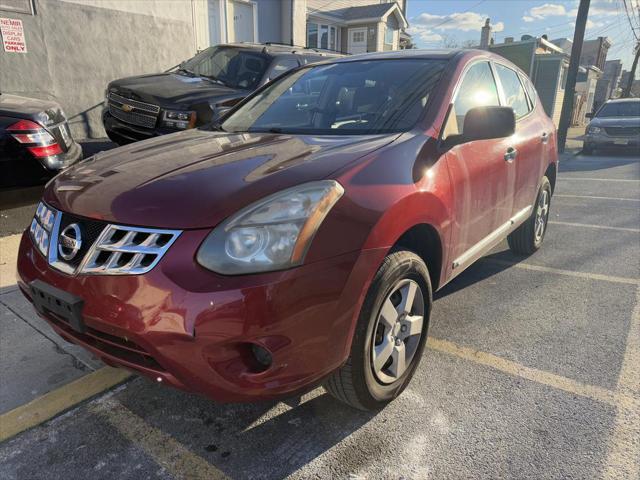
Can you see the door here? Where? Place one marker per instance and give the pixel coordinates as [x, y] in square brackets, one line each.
[528, 142]
[357, 42]
[482, 180]
[241, 21]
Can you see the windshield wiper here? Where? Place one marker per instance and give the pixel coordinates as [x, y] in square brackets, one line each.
[188, 72]
[216, 80]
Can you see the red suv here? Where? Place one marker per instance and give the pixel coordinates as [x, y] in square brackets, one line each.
[299, 241]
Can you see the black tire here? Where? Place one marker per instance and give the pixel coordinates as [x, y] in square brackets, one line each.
[587, 149]
[115, 138]
[355, 382]
[524, 240]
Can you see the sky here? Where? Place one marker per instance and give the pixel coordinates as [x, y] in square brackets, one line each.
[437, 23]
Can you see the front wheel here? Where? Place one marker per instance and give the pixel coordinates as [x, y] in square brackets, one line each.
[390, 335]
[528, 237]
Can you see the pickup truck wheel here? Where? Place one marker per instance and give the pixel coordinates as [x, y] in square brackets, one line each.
[528, 237]
[390, 335]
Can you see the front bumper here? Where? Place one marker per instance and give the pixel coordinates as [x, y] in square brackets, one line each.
[600, 140]
[131, 133]
[193, 329]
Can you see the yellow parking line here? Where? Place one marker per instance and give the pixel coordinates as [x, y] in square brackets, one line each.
[570, 273]
[601, 227]
[164, 449]
[57, 401]
[597, 198]
[623, 460]
[515, 369]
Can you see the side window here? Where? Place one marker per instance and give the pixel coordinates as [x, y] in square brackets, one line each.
[281, 66]
[478, 89]
[513, 91]
[531, 91]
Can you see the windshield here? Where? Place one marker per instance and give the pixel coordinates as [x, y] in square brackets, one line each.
[621, 109]
[351, 98]
[232, 67]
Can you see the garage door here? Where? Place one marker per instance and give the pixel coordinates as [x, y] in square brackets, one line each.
[241, 21]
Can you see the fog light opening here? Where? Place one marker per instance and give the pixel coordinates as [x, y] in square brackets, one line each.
[262, 357]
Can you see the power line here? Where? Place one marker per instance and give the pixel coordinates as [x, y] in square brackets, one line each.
[633, 29]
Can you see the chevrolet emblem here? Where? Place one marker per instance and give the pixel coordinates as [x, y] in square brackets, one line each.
[126, 108]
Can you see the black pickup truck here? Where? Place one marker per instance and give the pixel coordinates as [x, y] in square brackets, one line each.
[198, 91]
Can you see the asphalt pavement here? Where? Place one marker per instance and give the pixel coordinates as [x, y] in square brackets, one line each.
[532, 371]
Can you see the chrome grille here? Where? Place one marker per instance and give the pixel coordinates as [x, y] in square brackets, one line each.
[133, 118]
[105, 249]
[141, 113]
[141, 106]
[128, 250]
[622, 131]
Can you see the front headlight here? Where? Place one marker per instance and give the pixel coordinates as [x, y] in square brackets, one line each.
[179, 119]
[595, 130]
[41, 227]
[271, 234]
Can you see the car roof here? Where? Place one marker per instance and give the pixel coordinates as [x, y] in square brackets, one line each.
[274, 49]
[444, 54]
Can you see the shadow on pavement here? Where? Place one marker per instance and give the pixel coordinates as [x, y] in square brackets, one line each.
[479, 271]
[261, 440]
[583, 163]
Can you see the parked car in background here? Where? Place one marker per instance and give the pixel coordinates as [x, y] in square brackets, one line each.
[199, 91]
[35, 141]
[615, 125]
[303, 240]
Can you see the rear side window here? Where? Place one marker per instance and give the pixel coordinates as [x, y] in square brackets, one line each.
[478, 89]
[531, 91]
[513, 91]
[281, 66]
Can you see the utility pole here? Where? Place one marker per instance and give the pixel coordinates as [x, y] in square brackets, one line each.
[574, 63]
[632, 74]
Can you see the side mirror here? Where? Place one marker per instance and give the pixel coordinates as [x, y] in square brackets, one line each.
[485, 123]
[589, 115]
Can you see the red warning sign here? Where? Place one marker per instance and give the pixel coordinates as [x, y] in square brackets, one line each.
[13, 35]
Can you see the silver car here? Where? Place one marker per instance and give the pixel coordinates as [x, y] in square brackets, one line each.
[615, 125]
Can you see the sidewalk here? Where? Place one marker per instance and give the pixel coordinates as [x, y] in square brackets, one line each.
[574, 141]
[41, 375]
[33, 359]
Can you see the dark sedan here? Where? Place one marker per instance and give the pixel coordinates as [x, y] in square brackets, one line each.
[615, 125]
[35, 141]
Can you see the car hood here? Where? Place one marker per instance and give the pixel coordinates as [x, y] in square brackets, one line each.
[172, 89]
[615, 122]
[195, 179]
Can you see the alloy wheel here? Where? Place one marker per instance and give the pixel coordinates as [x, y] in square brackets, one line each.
[397, 331]
[542, 213]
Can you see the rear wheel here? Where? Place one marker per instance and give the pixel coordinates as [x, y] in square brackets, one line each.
[389, 337]
[528, 237]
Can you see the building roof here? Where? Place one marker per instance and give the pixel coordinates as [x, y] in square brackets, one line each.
[377, 11]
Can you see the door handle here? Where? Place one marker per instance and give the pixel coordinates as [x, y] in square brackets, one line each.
[545, 137]
[511, 154]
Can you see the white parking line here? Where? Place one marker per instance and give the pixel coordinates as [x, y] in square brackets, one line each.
[597, 198]
[623, 459]
[599, 179]
[602, 227]
[569, 273]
